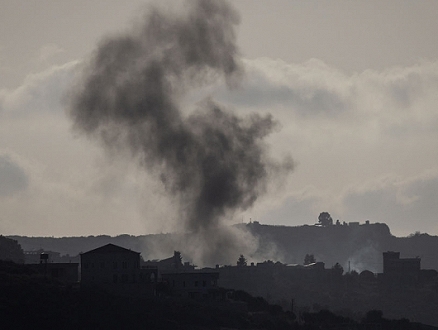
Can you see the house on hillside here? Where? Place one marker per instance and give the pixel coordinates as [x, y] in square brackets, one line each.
[172, 263]
[67, 272]
[180, 279]
[195, 284]
[395, 267]
[117, 269]
[33, 257]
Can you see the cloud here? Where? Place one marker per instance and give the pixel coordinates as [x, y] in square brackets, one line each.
[39, 93]
[408, 203]
[293, 208]
[48, 51]
[63, 185]
[366, 152]
[308, 88]
[348, 131]
[314, 89]
[13, 177]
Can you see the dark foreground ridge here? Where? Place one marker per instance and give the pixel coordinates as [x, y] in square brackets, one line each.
[402, 289]
[29, 300]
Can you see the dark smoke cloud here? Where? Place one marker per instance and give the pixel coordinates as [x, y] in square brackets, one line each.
[213, 161]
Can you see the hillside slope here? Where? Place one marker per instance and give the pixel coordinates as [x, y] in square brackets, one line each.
[357, 247]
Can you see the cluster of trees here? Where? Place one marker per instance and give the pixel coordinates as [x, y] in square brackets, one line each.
[325, 219]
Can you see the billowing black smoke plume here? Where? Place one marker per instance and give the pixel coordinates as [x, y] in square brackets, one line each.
[213, 161]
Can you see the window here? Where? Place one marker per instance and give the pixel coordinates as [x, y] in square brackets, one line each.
[115, 264]
[86, 265]
[196, 283]
[204, 283]
[115, 278]
[124, 265]
[102, 265]
[184, 284]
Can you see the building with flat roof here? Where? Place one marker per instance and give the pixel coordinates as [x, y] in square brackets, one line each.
[67, 272]
[400, 268]
[195, 284]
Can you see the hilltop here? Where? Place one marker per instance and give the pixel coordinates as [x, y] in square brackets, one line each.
[355, 246]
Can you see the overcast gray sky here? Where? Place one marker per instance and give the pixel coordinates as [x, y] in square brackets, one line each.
[353, 83]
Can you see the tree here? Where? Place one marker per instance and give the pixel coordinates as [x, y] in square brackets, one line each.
[325, 219]
[241, 261]
[309, 259]
[177, 259]
[338, 269]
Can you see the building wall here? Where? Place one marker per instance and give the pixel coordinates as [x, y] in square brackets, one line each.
[118, 272]
[66, 272]
[395, 267]
[106, 268]
[270, 279]
[193, 285]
